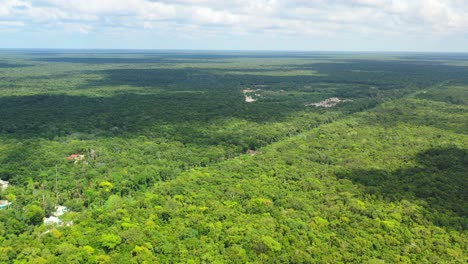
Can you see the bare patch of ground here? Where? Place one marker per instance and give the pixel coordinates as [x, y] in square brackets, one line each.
[248, 97]
[330, 102]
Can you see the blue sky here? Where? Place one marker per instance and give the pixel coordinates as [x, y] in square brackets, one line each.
[343, 25]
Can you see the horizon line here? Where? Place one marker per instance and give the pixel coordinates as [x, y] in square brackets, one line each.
[233, 50]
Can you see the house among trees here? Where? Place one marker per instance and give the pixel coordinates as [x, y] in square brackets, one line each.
[52, 220]
[330, 102]
[4, 204]
[76, 158]
[60, 210]
[3, 184]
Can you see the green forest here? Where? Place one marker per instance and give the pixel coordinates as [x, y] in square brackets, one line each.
[233, 157]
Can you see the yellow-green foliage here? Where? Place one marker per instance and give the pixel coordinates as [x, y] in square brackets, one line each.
[178, 168]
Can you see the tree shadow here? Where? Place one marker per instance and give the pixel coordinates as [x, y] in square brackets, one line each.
[372, 75]
[197, 94]
[130, 114]
[161, 97]
[440, 180]
[390, 73]
[12, 65]
[417, 112]
[455, 56]
[369, 79]
[108, 57]
[117, 60]
[375, 74]
[196, 78]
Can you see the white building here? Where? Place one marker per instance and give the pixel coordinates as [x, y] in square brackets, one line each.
[3, 184]
[52, 220]
[4, 204]
[60, 210]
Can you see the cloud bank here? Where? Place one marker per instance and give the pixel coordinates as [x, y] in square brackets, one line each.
[218, 20]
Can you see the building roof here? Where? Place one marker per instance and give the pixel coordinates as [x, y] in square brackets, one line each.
[52, 220]
[4, 204]
[3, 184]
[73, 156]
[60, 210]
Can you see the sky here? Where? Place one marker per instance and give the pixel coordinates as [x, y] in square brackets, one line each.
[306, 25]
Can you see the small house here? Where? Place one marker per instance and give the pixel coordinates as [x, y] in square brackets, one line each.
[60, 210]
[3, 184]
[52, 220]
[76, 158]
[72, 156]
[4, 204]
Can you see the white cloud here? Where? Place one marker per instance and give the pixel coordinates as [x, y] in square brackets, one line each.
[8, 7]
[11, 24]
[205, 15]
[293, 17]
